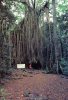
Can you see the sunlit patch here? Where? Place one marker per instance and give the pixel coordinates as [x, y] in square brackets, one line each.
[21, 66]
[3, 3]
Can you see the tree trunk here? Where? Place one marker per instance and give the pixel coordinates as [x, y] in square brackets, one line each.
[55, 37]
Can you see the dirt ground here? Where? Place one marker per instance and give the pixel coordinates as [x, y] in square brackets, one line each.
[35, 85]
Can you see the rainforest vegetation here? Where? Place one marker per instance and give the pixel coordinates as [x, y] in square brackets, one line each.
[34, 32]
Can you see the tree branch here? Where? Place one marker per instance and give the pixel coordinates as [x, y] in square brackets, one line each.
[26, 4]
[34, 3]
[45, 6]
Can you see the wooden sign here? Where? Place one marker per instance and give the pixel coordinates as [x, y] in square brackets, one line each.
[20, 66]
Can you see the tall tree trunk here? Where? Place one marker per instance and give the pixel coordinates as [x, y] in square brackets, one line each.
[55, 37]
[49, 45]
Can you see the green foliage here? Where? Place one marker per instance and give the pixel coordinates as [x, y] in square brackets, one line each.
[64, 66]
[62, 7]
[63, 23]
[63, 62]
[17, 8]
[40, 3]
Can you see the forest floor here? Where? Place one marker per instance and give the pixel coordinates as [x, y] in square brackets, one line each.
[34, 85]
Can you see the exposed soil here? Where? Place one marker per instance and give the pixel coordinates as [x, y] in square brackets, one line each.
[35, 85]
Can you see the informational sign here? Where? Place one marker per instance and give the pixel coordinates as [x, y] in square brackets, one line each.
[20, 66]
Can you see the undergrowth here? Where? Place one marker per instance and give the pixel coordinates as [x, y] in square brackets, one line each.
[2, 93]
